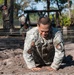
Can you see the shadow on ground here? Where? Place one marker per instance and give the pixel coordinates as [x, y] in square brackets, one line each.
[68, 61]
[11, 43]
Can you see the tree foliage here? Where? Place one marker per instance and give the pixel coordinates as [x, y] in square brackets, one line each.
[62, 1]
[59, 3]
[1, 2]
[65, 21]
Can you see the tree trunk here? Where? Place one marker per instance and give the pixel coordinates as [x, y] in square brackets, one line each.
[11, 13]
[48, 6]
[69, 8]
[5, 2]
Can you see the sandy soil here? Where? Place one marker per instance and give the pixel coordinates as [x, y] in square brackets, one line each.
[12, 62]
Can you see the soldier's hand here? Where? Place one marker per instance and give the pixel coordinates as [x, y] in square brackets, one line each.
[50, 69]
[36, 69]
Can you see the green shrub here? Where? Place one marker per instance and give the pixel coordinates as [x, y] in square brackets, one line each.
[65, 21]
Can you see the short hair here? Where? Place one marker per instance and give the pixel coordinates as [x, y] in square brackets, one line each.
[44, 20]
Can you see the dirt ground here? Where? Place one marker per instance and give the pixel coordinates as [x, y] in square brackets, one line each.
[12, 62]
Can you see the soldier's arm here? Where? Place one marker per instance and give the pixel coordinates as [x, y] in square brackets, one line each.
[59, 51]
[22, 30]
[27, 53]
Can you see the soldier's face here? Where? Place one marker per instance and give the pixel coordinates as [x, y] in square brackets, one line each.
[43, 30]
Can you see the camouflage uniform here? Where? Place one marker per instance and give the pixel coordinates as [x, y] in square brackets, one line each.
[6, 23]
[43, 51]
[24, 30]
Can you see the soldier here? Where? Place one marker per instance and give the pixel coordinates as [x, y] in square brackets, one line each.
[6, 22]
[22, 20]
[44, 46]
[24, 29]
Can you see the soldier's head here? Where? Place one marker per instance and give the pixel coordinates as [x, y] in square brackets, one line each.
[4, 7]
[44, 26]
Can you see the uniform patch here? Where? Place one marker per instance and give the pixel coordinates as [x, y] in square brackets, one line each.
[59, 47]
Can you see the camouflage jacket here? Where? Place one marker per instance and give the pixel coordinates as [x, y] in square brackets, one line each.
[40, 43]
[23, 30]
[5, 15]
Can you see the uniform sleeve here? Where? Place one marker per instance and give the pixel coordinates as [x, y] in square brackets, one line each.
[59, 50]
[28, 56]
[21, 30]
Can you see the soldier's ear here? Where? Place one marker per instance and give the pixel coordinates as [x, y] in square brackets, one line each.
[38, 25]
